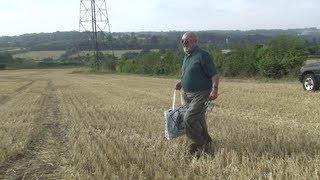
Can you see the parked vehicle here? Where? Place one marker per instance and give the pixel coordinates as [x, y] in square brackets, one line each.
[309, 76]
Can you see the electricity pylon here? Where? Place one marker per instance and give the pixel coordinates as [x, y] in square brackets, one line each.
[94, 22]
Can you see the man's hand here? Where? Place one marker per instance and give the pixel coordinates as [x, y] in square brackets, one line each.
[178, 85]
[215, 84]
[213, 94]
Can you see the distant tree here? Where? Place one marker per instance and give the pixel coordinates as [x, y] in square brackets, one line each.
[102, 62]
[154, 39]
[3, 66]
[283, 55]
[5, 58]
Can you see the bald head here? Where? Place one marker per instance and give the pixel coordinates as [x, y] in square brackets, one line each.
[190, 35]
[189, 42]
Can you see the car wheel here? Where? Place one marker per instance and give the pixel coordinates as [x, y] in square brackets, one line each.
[309, 82]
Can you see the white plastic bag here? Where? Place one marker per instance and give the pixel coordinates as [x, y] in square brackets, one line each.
[174, 119]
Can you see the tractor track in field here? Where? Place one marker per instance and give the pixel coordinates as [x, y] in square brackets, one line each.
[7, 98]
[47, 138]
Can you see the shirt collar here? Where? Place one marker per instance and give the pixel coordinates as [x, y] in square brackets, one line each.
[196, 49]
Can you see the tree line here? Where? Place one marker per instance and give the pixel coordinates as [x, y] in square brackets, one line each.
[145, 40]
[279, 57]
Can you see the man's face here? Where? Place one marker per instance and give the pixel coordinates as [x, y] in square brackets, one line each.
[188, 42]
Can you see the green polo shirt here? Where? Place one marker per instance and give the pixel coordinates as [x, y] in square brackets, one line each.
[197, 71]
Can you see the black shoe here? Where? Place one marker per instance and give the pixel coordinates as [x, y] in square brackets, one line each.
[193, 148]
[208, 148]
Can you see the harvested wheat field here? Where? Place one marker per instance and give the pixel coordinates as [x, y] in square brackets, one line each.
[59, 125]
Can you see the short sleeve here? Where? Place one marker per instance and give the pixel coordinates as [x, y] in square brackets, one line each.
[208, 65]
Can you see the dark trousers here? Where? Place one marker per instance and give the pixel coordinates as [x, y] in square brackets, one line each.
[196, 126]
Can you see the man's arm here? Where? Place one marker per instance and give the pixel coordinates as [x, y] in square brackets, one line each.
[215, 86]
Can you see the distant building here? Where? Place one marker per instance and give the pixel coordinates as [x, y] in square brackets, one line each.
[226, 51]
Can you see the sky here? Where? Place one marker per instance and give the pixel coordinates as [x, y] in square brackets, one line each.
[33, 16]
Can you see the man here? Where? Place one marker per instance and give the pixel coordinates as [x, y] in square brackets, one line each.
[199, 81]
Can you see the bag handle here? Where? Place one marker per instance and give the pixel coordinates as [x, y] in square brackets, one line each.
[174, 99]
